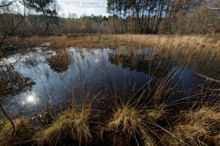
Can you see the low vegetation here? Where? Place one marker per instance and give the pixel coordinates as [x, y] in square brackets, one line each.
[70, 127]
[132, 124]
[197, 127]
[151, 116]
[59, 62]
[181, 37]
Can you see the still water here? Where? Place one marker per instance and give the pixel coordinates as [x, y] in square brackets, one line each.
[59, 76]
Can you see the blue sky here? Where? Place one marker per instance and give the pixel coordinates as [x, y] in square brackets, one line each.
[82, 7]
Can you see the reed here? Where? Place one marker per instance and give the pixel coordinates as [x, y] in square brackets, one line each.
[145, 118]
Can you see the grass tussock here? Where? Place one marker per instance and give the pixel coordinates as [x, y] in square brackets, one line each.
[130, 122]
[24, 133]
[59, 62]
[127, 119]
[199, 127]
[143, 119]
[70, 126]
[156, 113]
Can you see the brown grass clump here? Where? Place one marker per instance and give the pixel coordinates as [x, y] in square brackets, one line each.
[70, 126]
[129, 122]
[200, 127]
[23, 135]
[59, 62]
[156, 113]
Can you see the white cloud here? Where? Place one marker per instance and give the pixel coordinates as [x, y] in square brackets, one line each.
[83, 7]
[78, 7]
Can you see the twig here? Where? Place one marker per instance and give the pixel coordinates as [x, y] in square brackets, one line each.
[217, 90]
[208, 78]
[8, 4]
[8, 117]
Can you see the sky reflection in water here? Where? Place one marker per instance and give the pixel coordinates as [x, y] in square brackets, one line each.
[87, 67]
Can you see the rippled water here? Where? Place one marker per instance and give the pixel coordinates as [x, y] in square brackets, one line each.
[90, 70]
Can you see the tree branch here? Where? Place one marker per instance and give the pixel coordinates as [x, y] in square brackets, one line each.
[8, 117]
[8, 4]
[211, 7]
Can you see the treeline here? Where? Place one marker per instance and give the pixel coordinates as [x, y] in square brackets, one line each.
[164, 16]
[38, 25]
[126, 16]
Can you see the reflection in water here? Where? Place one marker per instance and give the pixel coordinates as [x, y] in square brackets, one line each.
[30, 99]
[149, 64]
[12, 82]
[77, 70]
[59, 62]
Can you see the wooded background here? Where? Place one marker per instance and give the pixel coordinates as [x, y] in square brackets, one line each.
[126, 16]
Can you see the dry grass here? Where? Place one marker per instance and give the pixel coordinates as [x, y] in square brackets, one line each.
[59, 62]
[138, 119]
[70, 126]
[130, 122]
[171, 41]
[24, 133]
[127, 119]
[199, 127]
[173, 44]
[156, 113]
[24, 43]
[182, 49]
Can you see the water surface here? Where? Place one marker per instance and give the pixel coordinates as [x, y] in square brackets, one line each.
[80, 71]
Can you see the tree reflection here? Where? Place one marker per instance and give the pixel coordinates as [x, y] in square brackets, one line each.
[150, 64]
[11, 82]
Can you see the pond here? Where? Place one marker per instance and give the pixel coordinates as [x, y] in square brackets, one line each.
[59, 76]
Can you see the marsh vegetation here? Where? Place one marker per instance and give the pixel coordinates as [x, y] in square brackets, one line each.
[147, 74]
[113, 89]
